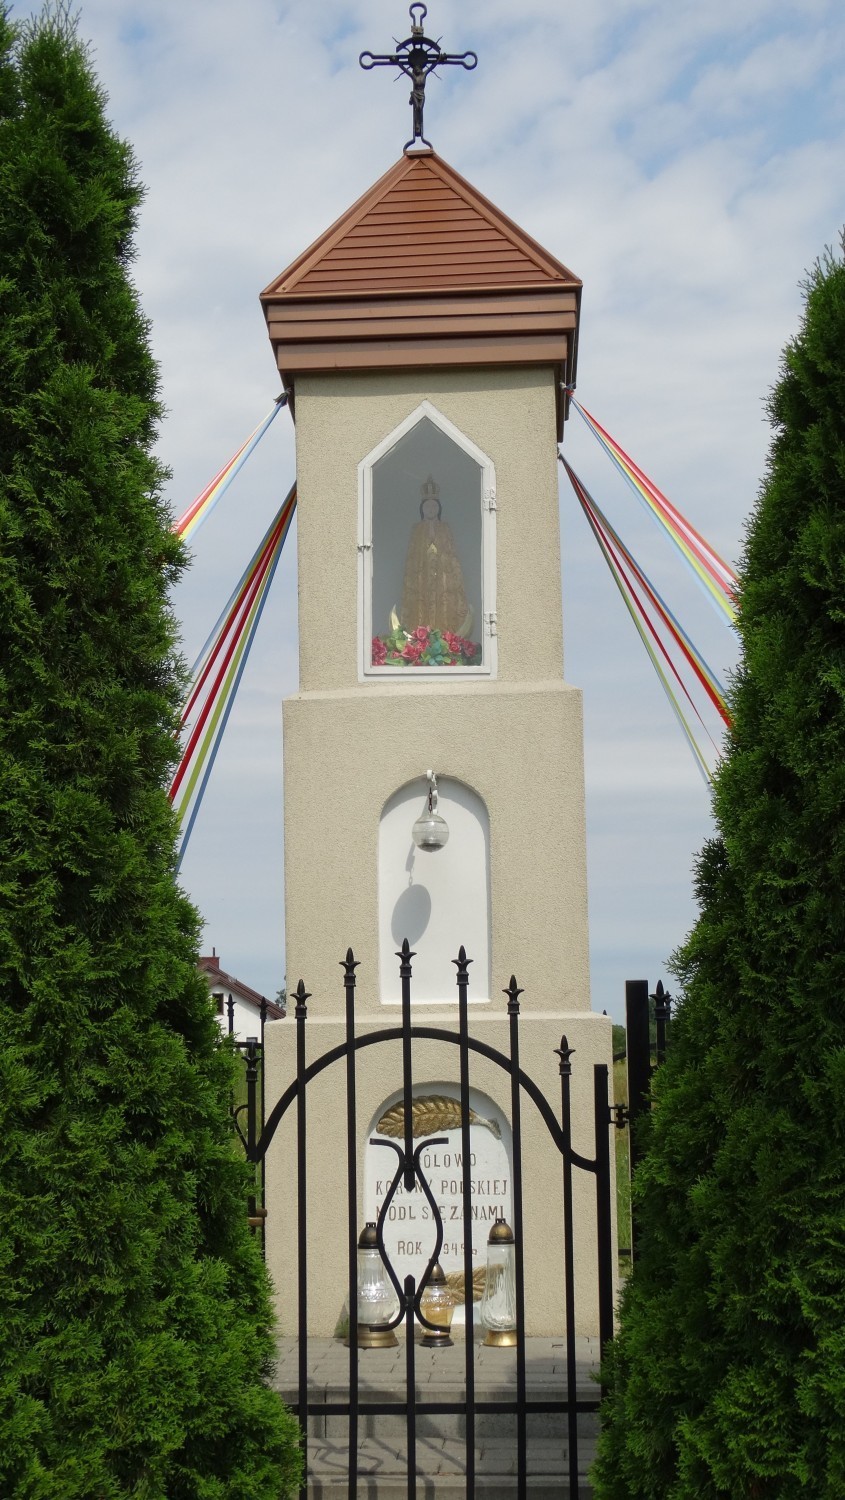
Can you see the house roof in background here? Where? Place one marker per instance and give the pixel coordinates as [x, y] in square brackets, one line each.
[218, 978]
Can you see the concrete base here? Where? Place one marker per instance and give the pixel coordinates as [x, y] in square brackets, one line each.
[435, 1065]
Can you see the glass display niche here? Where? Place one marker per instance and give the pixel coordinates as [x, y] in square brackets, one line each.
[427, 530]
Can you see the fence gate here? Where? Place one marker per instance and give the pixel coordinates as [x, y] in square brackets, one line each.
[410, 1174]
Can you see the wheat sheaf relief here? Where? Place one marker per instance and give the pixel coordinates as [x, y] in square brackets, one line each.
[430, 1114]
[455, 1283]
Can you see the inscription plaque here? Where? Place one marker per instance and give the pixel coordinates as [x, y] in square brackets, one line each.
[410, 1229]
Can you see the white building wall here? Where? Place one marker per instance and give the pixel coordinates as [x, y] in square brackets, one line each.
[247, 1017]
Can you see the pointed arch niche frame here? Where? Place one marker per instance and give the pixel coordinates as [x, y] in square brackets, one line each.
[478, 562]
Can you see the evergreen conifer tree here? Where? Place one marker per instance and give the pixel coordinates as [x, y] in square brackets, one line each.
[134, 1308]
[728, 1376]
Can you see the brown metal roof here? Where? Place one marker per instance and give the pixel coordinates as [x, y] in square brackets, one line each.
[420, 227]
[422, 271]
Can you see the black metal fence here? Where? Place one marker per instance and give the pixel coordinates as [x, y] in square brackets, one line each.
[647, 1018]
[409, 1173]
[252, 1109]
[647, 1032]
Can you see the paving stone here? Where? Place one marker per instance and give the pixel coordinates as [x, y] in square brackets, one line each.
[441, 1469]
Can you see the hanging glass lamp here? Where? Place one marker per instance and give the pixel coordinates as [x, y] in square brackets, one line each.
[431, 831]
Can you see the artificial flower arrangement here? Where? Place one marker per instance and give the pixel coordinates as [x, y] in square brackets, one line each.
[423, 648]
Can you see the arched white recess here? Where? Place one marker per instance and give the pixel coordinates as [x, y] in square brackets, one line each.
[410, 1231]
[424, 454]
[436, 900]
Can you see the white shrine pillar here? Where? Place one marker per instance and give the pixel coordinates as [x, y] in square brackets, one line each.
[424, 340]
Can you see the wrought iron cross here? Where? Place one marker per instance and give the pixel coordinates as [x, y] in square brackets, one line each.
[417, 57]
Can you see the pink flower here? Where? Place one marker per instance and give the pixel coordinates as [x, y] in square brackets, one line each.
[421, 634]
[469, 649]
[453, 642]
[413, 651]
[379, 652]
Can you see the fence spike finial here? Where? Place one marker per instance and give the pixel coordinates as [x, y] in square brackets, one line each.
[301, 996]
[564, 1052]
[462, 963]
[513, 993]
[662, 1002]
[349, 964]
[405, 953]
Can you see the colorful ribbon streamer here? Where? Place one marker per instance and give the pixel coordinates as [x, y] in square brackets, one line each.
[205, 502]
[649, 612]
[705, 674]
[228, 649]
[713, 575]
[214, 645]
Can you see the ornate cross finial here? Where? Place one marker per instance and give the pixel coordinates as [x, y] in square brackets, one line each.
[417, 57]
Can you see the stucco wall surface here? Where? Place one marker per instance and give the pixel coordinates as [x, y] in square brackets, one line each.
[516, 740]
[519, 748]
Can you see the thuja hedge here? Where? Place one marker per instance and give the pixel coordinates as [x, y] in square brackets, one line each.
[728, 1377]
[134, 1309]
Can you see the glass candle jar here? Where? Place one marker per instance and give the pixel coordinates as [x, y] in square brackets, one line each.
[377, 1300]
[498, 1305]
[437, 1305]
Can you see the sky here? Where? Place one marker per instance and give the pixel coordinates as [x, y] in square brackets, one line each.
[684, 160]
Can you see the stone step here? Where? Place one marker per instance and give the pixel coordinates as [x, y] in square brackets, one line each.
[440, 1377]
[441, 1469]
[452, 1424]
[487, 1425]
[445, 1386]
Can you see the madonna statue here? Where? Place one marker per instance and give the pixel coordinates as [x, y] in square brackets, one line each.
[433, 592]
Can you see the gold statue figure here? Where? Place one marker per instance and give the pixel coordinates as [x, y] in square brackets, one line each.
[433, 592]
